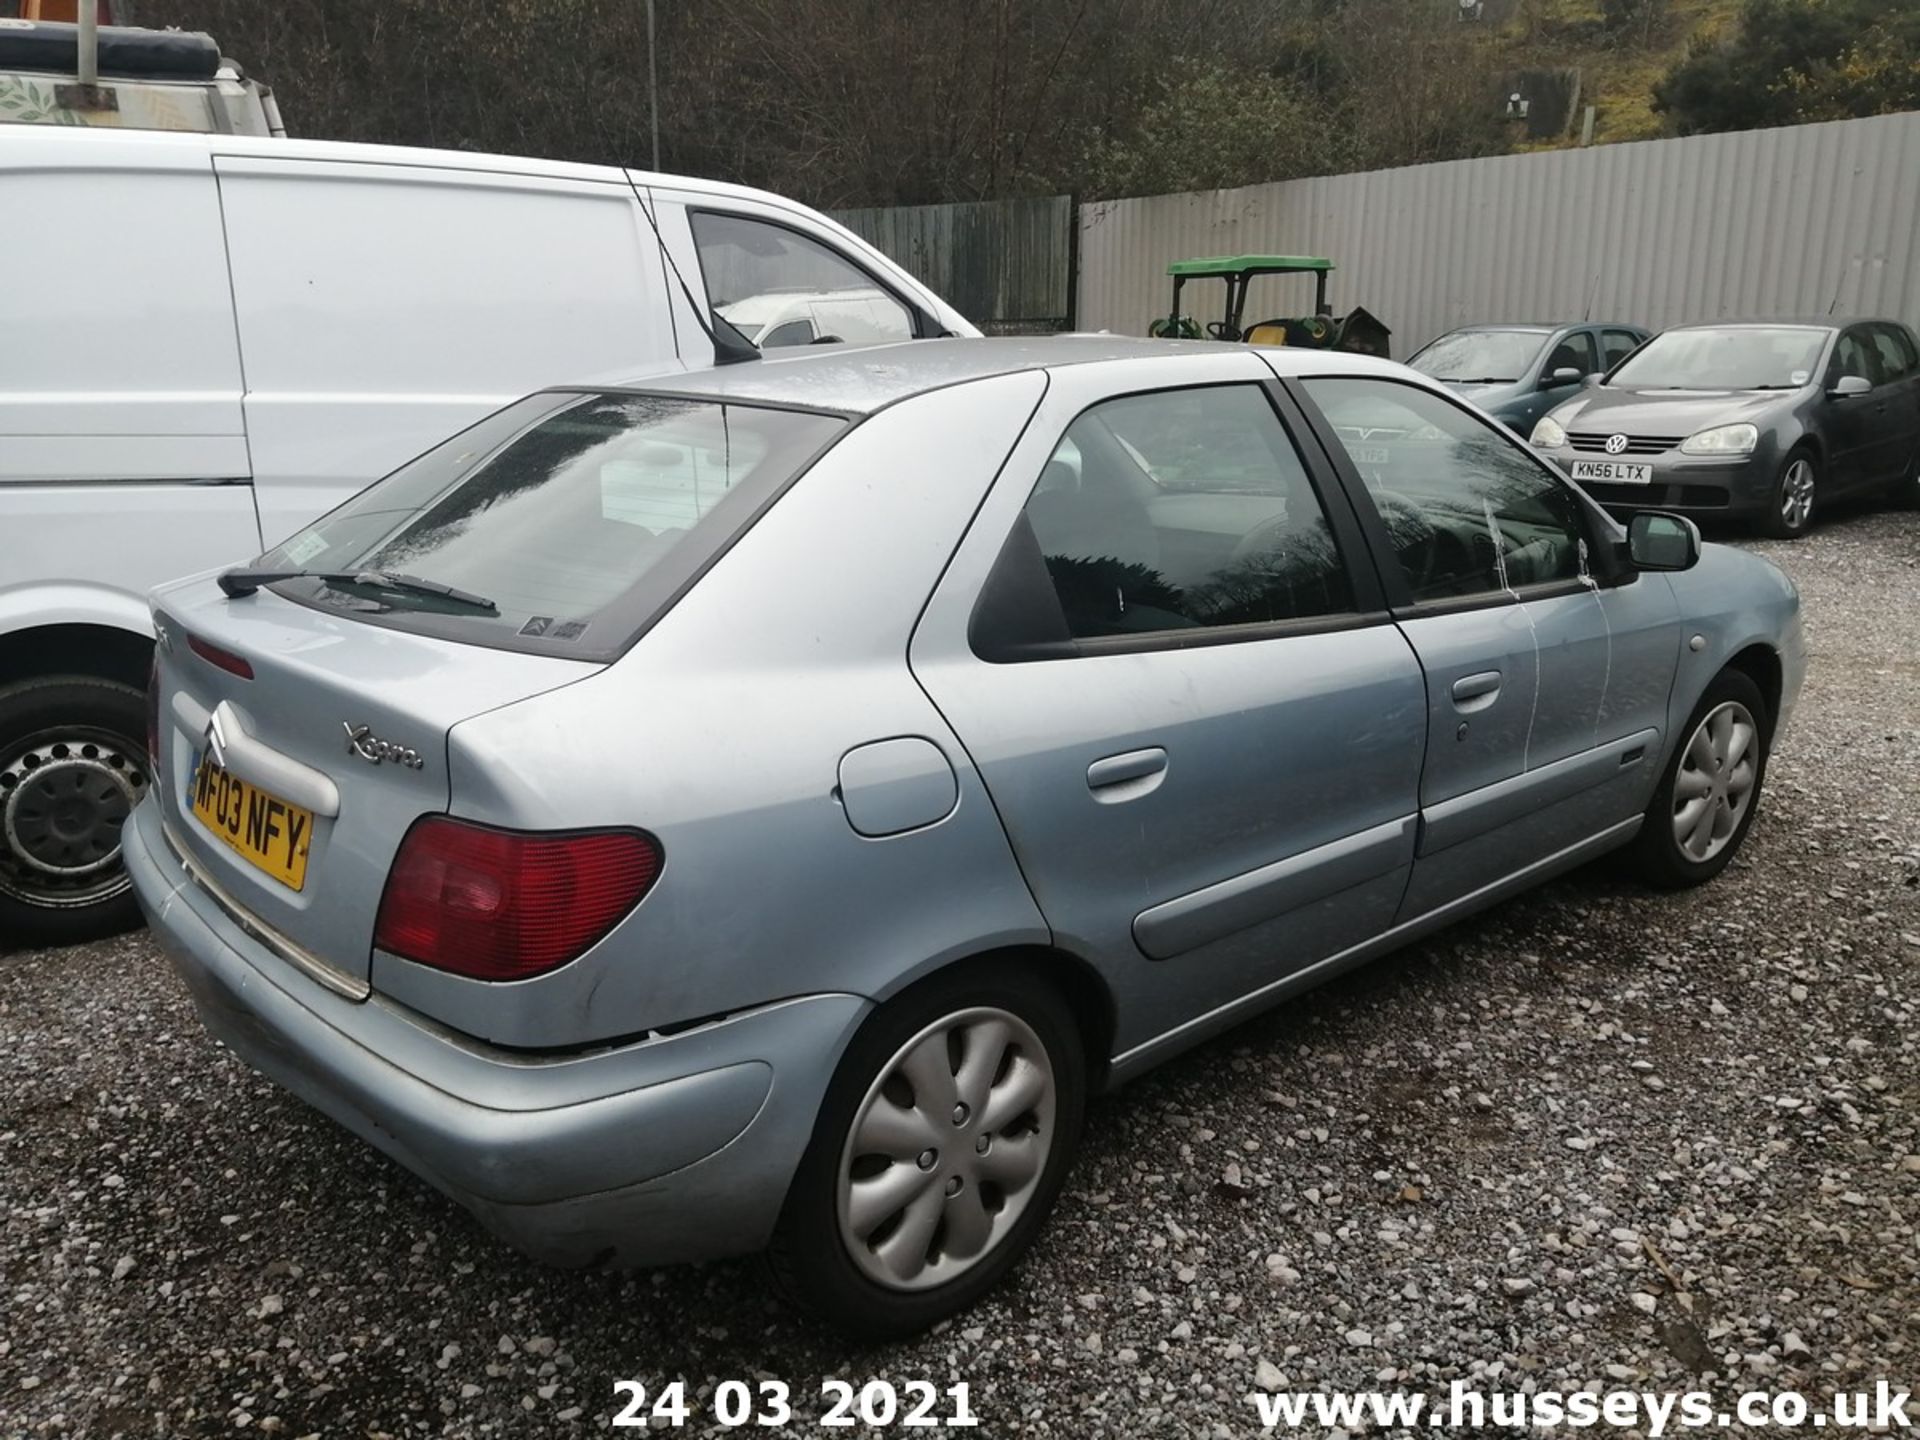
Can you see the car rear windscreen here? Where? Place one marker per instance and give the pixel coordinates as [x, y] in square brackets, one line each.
[563, 525]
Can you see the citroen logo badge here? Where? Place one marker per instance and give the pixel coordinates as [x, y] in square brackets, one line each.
[216, 740]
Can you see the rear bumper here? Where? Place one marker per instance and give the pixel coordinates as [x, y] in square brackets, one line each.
[672, 1148]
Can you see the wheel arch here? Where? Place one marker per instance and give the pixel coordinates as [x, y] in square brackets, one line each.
[1083, 987]
[1761, 664]
[105, 651]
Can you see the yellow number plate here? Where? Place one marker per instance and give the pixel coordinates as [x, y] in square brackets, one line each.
[264, 830]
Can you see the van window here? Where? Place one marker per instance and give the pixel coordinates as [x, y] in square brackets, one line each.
[570, 522]
[764, 277]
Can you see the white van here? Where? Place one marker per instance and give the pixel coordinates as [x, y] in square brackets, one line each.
[206, 341]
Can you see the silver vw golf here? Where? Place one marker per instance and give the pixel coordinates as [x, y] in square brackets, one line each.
[756, 810]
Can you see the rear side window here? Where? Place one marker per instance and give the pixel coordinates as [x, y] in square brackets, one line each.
[1164, 514]
[768, 281]
[567, 523]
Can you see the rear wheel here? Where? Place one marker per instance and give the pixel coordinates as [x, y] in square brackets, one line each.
[939, 1151]
[73, 764]
[1788, 511]
[1707, 798]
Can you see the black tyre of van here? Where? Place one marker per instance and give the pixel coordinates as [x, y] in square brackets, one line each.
[72, 767]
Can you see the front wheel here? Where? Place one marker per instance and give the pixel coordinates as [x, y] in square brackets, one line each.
[73, 764]
[1788, 510]
[939, 1151]
[1706, 800]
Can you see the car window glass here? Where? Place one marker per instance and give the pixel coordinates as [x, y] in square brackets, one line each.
[572, 517]
[1481, 357]
[1895, 352]
[1731, 357]
[1852, 355]
[1181, 510]
[1616, 345]
[1467, 511]
[758, 273]
[1574, 351]
[791, 332]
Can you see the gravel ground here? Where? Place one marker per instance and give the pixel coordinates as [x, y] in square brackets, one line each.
[1596, 1138]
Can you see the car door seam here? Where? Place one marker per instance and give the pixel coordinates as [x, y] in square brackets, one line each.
[913, 634]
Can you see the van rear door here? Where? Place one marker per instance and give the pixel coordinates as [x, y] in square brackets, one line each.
[382, 307]
[118, 361]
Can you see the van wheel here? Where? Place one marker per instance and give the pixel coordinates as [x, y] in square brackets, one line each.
[73, 764]
[939, 1151]
[1707, 798]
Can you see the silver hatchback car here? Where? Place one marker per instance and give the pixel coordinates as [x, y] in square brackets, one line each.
[757, 809]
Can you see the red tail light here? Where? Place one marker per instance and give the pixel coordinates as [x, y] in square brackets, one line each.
[505, 904]
[221, 659]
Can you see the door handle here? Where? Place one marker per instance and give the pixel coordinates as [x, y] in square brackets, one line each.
[1476, 692]
[1127, 777]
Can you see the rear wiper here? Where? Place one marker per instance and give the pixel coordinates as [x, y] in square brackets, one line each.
[244, 582]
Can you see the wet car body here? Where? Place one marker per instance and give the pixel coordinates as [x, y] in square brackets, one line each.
[848, 755]
[1517, 373]
[1853, 441]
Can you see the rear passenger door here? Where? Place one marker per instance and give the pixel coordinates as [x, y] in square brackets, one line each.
[1166, 651]
[1546, 689]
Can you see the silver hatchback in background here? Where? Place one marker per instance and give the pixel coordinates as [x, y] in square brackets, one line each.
[757, 810]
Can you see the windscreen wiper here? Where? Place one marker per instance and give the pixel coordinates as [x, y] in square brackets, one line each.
[244, 582]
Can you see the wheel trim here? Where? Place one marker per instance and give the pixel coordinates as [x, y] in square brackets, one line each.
[946, 1149]
[64, 797]
[1796, 494]
[1714, 784]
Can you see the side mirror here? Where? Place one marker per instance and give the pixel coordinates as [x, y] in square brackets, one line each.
[1657, 540]
[1565, 375]
[1589, 381]
[1848, 386]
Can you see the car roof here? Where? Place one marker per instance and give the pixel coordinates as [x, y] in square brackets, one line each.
[1775, 322]
[1545, 327]
[860, 379]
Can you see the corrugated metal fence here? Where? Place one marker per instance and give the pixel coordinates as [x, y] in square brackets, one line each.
[1760, 222]
[1005, 264]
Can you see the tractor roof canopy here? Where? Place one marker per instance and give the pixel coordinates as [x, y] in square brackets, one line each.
[1248, 265]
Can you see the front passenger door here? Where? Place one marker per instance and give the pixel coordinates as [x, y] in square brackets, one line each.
[1855, 423]
[1546, 690]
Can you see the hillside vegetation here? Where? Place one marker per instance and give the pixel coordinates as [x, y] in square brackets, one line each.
[887, 102]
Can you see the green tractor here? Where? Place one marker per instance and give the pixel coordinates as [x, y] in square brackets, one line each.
[1357, 331]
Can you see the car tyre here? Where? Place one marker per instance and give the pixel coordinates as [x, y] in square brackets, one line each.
[1789, 508]
[912, 1200]
[73, 764]
[1710, 791]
